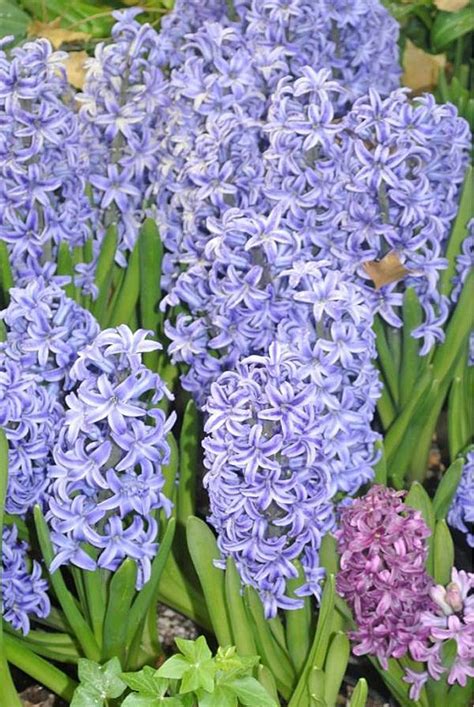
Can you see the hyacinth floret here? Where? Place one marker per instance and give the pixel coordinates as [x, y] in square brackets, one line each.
[107, 473]
[451, 618]
[23, 591]
[383, 548]
[461, 513]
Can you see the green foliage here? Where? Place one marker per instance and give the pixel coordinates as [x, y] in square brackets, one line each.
[192, 677]
[98, 683]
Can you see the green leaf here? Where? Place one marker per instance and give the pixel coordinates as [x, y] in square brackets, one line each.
[394, 438]
[317, 654]
[189, 444]
[174, 668]
[195, 651]
[121, 593]
[13, 20]
[458, 233]
[449, 26]
[198, 676]
[443, 553]
[151, 254]
[360, 694]
[106, 679]
[240, 625]
[266, 679]
[298, 622]
[447, 489]
[128, 293]
[135, 700]
[412, 318]
[222, 696]
[103, 273]
[146, 682]
[328, 556]
[386, 360]
[315, 687]
[335, 666]
[87, 696]
[204, 551]
[272, 654]
[251, 692]
[76, 620]
[40, 670]
[418, 498]
[6, 682]
[457, 332]
[6, 277]
[381, 466]
[460, 409]
[148, 593]
[76, 13]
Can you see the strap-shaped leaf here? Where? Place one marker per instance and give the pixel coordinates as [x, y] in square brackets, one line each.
[335, 666]
[128, 292]
[103, 273]
[272, 654]
[203, 549]
[149, 592]
[76, 620]
[360, 694]
[151, 255]
[242, 636]
[298, 623]
[386, 360]
[39, 669]
[320, 644]
[121, 594]
[411, 361]
[443, 553]
[447, 489]
[6, 682]
[188, 456]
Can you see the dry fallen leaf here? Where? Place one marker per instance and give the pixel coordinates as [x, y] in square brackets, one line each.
[57, 35]
[421, 70]
[75, 68]
[451, 5]
[387, 270]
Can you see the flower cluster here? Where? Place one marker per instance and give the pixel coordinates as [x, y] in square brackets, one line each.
[384, 179]
[120, 116]
[450, 619]
[269, 484]
[22, 590]
[461, 512]
[288, 429]
[258, 185]
[43, 165]
[44, 331]
[356, 39]
[383, 548]
[106, 478]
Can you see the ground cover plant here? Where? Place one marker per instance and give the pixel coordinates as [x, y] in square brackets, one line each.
[235, 269]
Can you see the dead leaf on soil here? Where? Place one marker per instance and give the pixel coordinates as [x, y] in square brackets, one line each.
[75, 68]
[387, 270]
[421, 70]
[57, 35]
[451, 5]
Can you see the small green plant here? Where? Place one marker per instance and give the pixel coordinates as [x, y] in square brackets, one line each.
[192, 677]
